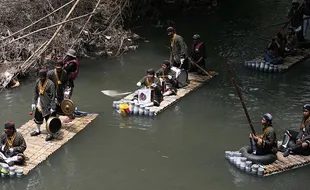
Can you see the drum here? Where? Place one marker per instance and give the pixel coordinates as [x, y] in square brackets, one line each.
[145, 96]
[181, 76]
[53, 125]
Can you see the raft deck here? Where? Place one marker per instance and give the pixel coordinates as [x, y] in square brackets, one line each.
[39, 150]
[195, 81]
[290, 60]
[283, 164]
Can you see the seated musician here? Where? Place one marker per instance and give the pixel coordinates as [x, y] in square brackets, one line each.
[12, 145]
[150, 81]
[267, 142]
[168, 77]
[275, 51]
[290, 41]
[299, 143]
[59, 77]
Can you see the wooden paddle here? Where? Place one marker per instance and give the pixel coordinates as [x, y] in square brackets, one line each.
[206, 72]
[114, 93]
[240, 97]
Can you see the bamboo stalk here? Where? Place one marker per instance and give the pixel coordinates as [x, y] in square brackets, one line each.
[33, 54]
[48, 27]
[52, 38]
[116, 17]
[86, 22]
[36, 21]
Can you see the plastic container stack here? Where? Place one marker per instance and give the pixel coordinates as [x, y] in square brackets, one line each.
[263, 66]
[243, 164]
[11, 171]
[132, 108]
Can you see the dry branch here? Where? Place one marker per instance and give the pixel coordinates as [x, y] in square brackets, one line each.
[25, 50]
[36, 21]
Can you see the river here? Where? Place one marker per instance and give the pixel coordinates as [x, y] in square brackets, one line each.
[183, 148]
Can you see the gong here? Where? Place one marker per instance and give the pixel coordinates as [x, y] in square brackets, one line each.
[67, 106]
[53, 125]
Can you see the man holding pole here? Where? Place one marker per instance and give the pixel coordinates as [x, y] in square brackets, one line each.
[198, 56]
[266, 143]
[295, 15]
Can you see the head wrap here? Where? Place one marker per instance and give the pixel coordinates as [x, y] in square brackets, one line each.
[167, 63]
[170, 29]
[43, 73]
[59, 63]
[196, 37]
[306, 107]
[9, 125]
[268, 118]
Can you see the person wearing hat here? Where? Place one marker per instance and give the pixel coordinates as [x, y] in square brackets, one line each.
[178, 50]
[72, 67]
[150, 81]
[296, 16]
[266, 143]
[299, 143]
[168, 79]
[12, 144]
[59, 77]
[43, 102]
[198, 55]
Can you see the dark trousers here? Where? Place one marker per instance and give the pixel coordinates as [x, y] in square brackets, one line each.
[258, 149]
[38, 117]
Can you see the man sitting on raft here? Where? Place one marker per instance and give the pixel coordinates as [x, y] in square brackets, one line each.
[298, 142]
[275, 50]
[168, 77]
[12, 145]
[290, 41]
[150, 81]
[267, 142]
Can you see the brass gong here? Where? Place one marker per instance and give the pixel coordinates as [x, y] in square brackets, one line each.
[53, 125]
[67, 106]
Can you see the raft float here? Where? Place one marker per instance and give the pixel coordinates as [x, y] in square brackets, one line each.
[260, 64]
[281, 164]
[195, 81]
[38, 149]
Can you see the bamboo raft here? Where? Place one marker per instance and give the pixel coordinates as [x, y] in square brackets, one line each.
[282, 164]
[196, 81]
[260, 64]
[39, 150]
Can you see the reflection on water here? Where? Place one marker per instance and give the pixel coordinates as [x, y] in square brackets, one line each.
[194, 133]
[133, 122]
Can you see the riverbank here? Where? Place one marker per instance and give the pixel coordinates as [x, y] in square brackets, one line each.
[35, 33]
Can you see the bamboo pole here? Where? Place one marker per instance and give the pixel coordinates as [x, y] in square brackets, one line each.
[52, 38]
[33, 54]
[116, 17]
[86, 22]
[36, 21]
[48, 27]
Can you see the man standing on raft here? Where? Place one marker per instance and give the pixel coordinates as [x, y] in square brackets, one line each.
[43, 102]
[178, 50]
